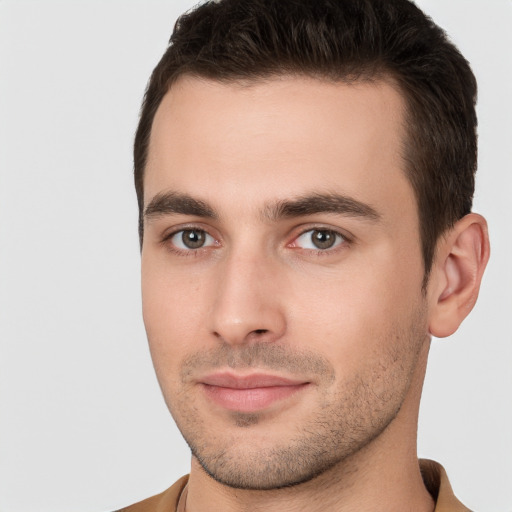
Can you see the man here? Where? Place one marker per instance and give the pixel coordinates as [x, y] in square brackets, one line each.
[305, 172]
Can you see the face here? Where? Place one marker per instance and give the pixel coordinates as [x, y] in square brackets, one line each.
[281, 273]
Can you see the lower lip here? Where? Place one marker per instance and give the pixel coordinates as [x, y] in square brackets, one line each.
[250, 399]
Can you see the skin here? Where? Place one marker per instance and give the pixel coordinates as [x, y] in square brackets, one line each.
[350, 321]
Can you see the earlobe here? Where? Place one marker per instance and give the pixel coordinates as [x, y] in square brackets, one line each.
[457, 272]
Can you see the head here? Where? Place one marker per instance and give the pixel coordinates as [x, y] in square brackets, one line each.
[304, 172]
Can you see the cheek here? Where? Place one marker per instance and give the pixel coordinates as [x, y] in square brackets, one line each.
[353, 313]
[171, 310]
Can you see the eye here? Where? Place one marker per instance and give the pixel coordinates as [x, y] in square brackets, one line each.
[190, 239]
[318, 239]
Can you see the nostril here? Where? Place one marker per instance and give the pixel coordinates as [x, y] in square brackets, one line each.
[260, 331]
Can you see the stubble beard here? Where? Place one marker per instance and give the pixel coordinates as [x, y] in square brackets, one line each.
[348, 417]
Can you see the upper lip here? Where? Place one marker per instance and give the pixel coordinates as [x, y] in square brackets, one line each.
[255, 380]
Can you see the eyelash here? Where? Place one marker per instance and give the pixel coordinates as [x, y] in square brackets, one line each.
[344, 240]
[166, 241]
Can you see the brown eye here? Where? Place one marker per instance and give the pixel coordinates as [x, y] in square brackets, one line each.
[193, 238]
[319, 239]
[190, 239]
[323, 239]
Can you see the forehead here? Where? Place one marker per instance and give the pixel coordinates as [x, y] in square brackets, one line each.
[278, 137]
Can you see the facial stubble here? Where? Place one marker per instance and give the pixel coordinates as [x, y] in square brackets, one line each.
[348, 416]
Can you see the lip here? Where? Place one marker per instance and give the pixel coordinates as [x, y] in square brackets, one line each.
[249, 393]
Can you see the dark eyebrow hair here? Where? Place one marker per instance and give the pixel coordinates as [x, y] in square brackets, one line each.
[320, 203]
[167, 203]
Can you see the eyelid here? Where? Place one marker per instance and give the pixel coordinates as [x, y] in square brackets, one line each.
[345, 238]
[208, 241]
[169, 234]
[166, 237]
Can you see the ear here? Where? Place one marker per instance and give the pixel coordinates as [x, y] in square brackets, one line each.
[459, 264]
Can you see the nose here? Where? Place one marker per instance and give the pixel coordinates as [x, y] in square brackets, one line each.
[247, 305]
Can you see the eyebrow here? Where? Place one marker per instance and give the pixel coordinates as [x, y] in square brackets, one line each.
[312, 204]
[169, 203]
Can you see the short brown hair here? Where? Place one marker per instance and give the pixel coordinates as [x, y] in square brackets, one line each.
[345, 41]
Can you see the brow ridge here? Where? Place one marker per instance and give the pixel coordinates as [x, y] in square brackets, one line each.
[315, 203]
[167, 203]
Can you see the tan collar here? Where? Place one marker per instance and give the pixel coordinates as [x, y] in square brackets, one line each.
[437, 483]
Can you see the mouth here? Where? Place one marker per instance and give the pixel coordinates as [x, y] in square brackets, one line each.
[249, 393]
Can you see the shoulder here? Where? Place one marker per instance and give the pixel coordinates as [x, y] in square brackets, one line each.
[437, 483]
[166, 501]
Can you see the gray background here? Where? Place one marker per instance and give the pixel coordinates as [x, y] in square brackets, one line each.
[82, 423]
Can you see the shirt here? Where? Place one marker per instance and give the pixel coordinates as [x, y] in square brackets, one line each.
[434, 477]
